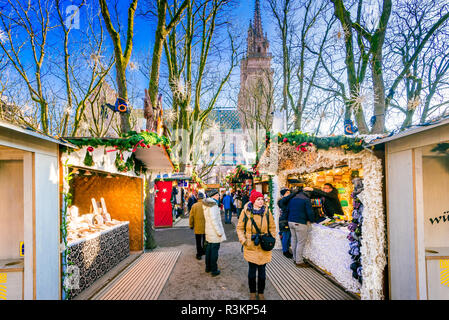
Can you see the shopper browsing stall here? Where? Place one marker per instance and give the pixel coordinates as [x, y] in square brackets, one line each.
[284, 230]
[255, 216]
[329, 196]
[299, 214]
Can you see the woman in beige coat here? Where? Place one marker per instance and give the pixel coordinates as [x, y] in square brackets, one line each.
[257, 257]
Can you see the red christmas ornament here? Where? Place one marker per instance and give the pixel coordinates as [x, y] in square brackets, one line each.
[90, 149]
[297, 148]
[285, 140]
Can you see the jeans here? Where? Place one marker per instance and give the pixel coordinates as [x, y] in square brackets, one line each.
[228, 215]
[286, 236]
[212, 256]
[299, 233]
[200, 238]
[253, 269]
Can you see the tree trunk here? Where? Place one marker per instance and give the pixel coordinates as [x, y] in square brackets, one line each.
[123, 93]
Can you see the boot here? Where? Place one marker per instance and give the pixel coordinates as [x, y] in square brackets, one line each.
[261, 296]
[252, 296]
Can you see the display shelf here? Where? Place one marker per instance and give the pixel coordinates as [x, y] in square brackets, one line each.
[96, 234]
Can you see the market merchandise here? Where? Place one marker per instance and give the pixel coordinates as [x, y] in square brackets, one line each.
[82, 226]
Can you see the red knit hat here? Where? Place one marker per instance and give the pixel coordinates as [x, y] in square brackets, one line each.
[254, 195]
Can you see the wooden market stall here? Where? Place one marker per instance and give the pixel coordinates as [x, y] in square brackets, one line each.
[104, 194]
[29, 214]
[417, 183]
[171, 190]
[352, 255]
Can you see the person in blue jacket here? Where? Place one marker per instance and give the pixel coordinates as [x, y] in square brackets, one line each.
[299, 213]
[227, 205]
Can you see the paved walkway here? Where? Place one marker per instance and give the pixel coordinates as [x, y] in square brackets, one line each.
[142, 280]
[293, 283]
[171, 272]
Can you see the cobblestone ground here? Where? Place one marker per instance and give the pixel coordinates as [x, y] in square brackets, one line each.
[189, 280]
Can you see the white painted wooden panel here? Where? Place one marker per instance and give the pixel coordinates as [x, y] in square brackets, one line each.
[47, 227]
[401, 226]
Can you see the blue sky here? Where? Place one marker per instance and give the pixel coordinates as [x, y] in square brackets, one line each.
[144, 36]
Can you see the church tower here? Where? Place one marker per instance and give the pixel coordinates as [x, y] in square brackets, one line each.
[255, 100]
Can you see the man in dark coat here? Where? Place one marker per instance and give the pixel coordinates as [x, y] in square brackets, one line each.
[191, 202]
[299, 213]
[329, 196]
[284, 230]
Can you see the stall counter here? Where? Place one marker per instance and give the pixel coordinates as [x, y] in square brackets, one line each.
[328, 248]
[98, 253]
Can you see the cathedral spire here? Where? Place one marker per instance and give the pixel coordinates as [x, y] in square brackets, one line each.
[257, 20]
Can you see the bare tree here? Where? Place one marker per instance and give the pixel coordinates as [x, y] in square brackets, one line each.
[428, 73]
[371, 45]
[189, 51]
[122, 57]
[296, 22]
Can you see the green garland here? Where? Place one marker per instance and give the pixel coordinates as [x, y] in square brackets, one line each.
[127, 142]
[239, 174]
[297, 138]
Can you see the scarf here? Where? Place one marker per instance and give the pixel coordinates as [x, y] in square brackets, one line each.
[259, 212]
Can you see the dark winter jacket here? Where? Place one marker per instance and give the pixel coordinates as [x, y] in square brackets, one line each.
[283, 206]
[191, 202]
[245, 200]
[331, 202]
[300, 209]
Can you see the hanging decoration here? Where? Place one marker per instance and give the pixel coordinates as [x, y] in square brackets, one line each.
[88, 160]
[355, 228]
[270, 192]
[350, 129]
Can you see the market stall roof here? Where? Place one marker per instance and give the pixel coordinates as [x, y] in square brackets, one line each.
[33, 133]
[155, 158]
[412, 130]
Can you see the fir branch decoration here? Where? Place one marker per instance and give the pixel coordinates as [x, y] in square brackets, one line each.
[88, 161]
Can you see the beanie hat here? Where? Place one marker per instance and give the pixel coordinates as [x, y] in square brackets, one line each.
[254, 195]
[283, 191]
[212, 192]
[200, 195]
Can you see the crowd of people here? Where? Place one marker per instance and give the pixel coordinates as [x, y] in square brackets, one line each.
[256, 226]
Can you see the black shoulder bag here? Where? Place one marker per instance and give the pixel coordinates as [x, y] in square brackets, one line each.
[267, 241]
